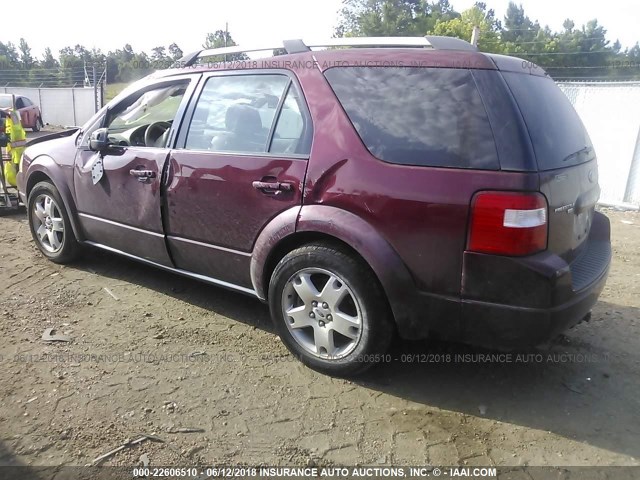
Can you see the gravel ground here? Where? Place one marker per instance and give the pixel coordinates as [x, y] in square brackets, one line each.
[200, 369]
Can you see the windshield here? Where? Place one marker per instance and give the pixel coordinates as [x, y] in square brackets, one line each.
[557, 133]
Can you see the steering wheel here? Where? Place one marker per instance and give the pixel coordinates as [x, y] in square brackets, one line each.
[154, 131]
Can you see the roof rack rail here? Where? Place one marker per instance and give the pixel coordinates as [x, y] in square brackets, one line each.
[300, 46]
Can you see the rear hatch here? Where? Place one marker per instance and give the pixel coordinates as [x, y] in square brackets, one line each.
[566, 160]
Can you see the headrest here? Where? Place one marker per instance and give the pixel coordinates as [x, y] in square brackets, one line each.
[243, 119]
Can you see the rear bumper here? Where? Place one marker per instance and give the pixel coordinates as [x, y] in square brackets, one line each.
[516, 302]
[499, 325]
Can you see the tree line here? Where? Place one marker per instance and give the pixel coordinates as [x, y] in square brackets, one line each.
[74, 65]
[573, 52]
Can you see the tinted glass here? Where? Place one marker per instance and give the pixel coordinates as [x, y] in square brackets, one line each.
[557, 133]
[509, 130]
[27, 102]
[236, 113]
[289, 134]
[417, 116]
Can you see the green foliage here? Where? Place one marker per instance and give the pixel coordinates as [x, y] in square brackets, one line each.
[175, 52]
[384, 18]
[582, 52]
[220, 39]
[25, 55]
[573, 52]
[462, 27]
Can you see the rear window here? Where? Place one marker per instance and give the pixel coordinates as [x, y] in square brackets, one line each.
[557, 133]
[417, 116]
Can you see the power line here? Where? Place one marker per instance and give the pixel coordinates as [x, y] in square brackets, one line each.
[611, 67]
[586, 79]
[557, 53]
[536, 41]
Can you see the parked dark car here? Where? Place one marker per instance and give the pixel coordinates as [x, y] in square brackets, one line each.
[360, 192]
[30, 114]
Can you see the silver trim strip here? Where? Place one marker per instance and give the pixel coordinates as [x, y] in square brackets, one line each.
[184, 273]
[121, 225]
[208, 245]
[284, 156]
[330, 42]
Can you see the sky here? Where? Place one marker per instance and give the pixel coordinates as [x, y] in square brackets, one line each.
[110, 25]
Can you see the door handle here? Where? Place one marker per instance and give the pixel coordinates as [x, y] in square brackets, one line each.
[142, 175]
[276, 188]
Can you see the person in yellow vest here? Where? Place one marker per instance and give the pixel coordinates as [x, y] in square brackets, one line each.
[17, 142]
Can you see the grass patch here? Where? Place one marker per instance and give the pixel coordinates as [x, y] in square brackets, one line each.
[114, 89]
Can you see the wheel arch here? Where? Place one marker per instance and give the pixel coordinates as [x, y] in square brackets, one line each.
[38, 172]
[345, 229]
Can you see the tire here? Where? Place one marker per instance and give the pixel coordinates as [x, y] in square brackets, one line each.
[50, 225]
[38, 125]
[341, 323]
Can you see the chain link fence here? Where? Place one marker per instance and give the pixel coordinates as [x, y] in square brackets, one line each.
[66, 97]
[609, 111]
[62, 106]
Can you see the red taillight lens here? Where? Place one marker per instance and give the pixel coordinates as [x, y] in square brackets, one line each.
[506, 223]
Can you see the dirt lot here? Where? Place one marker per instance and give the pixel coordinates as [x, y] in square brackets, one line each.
[152, 353]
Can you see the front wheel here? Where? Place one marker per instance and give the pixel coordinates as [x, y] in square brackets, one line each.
[329, 309]
[50, 225]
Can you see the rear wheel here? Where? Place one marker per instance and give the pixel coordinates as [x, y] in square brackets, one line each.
[329, 309]
[50, 225]
[38, 125]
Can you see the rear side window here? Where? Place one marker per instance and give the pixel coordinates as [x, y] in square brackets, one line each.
[417, 116]
[260, 113]
[235, 113]
[558, 136]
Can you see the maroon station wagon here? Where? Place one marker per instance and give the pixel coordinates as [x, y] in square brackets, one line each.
[411, 185]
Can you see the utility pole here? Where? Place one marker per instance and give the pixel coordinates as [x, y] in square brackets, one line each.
[95, 88]
[226, 35]
[475, 36]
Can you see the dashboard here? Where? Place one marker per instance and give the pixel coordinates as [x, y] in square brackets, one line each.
[138, 136]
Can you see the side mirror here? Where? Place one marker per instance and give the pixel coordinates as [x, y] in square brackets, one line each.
[99, 140]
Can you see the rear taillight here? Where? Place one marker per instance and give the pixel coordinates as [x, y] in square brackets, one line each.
[507, 223]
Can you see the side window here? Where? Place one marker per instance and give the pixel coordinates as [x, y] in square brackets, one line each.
[27, 102]
[417, 116]
[19, 103]
[290, 133]
[144, 119]
[236, 113]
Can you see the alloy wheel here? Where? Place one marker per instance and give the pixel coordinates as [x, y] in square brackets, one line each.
[322, 313]
[48, 223]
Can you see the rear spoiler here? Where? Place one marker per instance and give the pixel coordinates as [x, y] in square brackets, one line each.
[506, 63]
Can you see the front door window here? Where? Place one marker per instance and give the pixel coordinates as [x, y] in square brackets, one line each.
[145, 119]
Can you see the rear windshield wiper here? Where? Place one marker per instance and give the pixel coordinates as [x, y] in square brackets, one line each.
[579, 152]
